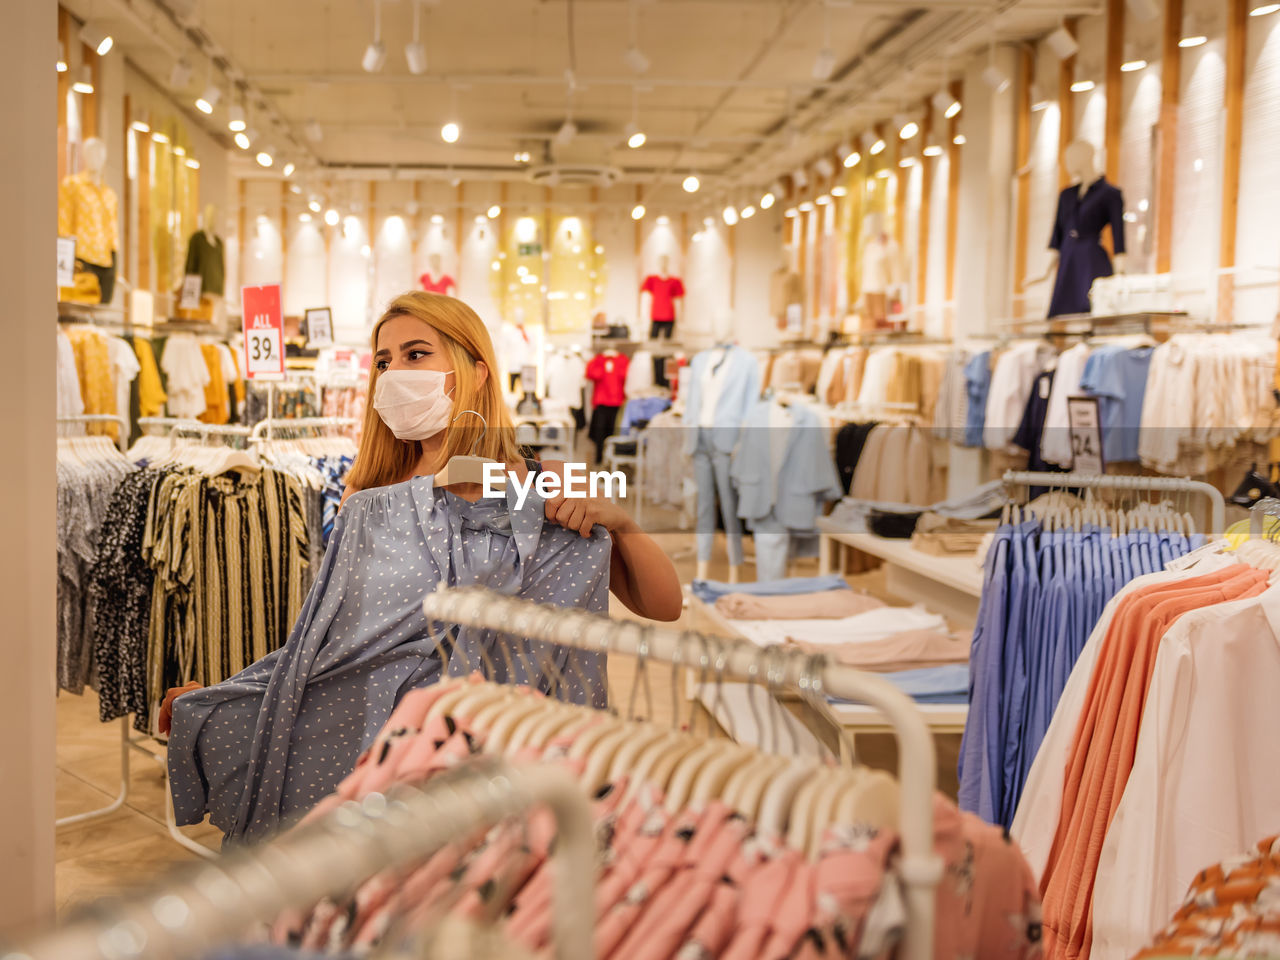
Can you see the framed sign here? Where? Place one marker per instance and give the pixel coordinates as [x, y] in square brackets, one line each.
[263, 332]
[66, 261]
[319, 327]
[529, 377]
[1084, 416]
[192, 286]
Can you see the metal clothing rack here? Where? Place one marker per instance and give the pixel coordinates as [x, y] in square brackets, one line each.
[1217, 505]
[262, 430]
[216, 903]
[122, 436]
[1258, 513]
[919, 866]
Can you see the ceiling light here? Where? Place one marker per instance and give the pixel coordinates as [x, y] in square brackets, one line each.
[883, 174]
[235, 118]
[959, 140]
[824, 167]
[789, 212]
[824, 65]
[287, 169]
[806, 206]
[375, 55]
[242, 140]
[415, 54]
[304, 217]
[953, 110]
[767, 200]
[180, 74]
[933, 150]
[264, 157]
[730, 214]
[493, 211]
[331, 217]
[844, 151]
[313, 131]
[1038, 100]
[709, 222]
[907, 162]
[141, 126]
[823, 200]
[94, 35]
[192, 162]
[839, 190]
[294, 188]
[62, 59]
[209, 99]
[909, 130]
[568, 130]
[1265, 9]
[313, 205]
[853, 159]
[1132, 66]
[877, 148]
[1193, 41]
[450, 132]
[635, 136]
[748, 212]
[691, 184]
[1061, 43]
[799, 178]
[1082, 86]
[179, 151]
[159, 137]
[636, 60]
[437, 219]
[84, 83]
[995, 78]
[946, 104]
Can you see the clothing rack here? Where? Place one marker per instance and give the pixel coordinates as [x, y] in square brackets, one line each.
[919, 866]
[1217, 505]
[263, 428]
[215, 903]
[122, 439]
[1258, 513]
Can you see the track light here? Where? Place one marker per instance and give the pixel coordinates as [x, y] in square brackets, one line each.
[636, 60]
[824, 167]
[294, 188]
[853, 159]
[493, 212]
[1265, 9]
[637, 212]
[730, 215]
[235, 118]
[242, 140]
[823, 200]
[1133, 66]
[839, 190]
[375, 55]
[180, 74]
[844, 150]
[877, 148]
[264, 157]
[806, 206]
[314, 132]
[635, 136]
[84, 82]
[748, 212]
[415, 53]
[1195, 40]
[313, 205]
[62, 59]
[959, 140]
[691, 184]
[287, 169]
[995, 78]
[789, 212]
[799, 178]
[1082, 86]
[945, 103]
[94, 35]
[824, 65]
[159, 136]
[568, 130]
[933, 150]
[767, 199]
[907, 162]
[140, 125]
[331, 217]
[437, 219]
[908, 130]
[450, 132]
[304, 217]
[1038, 100]
[1061, 43]
[209, 99]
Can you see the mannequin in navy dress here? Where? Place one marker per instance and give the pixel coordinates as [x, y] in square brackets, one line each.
[1084, 208]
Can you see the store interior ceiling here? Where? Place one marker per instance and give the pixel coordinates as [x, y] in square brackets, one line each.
[737, 92]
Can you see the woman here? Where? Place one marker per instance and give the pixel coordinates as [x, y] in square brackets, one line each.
[431, 383]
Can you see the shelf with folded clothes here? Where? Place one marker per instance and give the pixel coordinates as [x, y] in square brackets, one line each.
[912, 647]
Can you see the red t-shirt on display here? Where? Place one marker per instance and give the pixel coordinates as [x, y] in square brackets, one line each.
[608, 374]
[438, 285]
[664, 291]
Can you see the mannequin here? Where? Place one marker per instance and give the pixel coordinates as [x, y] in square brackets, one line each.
[515, 345]
[206, 255]
[666, 293]
[435, 280]
[87, 210]
[881, 270]
[1084, 208]
[786, 295]
[723, 382]
[607, 371]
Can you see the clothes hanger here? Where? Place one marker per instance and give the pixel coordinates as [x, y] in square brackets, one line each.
[655, 764]
[804, 808]
[824, 809]
[683, 778]
[872, 799]
[599, 761]
[776, 804]
[552, 712]
[469, 468]
[747, 786]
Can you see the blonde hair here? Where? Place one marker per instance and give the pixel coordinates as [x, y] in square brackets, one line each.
[383, 459]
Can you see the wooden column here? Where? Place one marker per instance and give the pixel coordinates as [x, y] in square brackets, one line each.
[926, 192]
[64, 87]
[1233, 107]
[284, 230]
[89, 101]
[1167, 129]
[953, 204]
[1022, 174]
[125, 265]
[142, 277]
[1066, 108]
[1115, 87]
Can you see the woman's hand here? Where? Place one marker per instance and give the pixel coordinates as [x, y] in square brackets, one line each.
[582, 513]
[164, 722]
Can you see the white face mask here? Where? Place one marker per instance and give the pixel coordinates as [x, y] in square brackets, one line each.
[413, 403]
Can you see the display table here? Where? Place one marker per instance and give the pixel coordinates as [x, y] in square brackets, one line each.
[950, 586]
[801, 729]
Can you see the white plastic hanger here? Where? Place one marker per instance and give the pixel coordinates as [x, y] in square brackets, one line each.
[466, 468]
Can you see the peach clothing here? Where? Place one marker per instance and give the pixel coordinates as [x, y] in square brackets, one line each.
[909, 650]
[799, 606]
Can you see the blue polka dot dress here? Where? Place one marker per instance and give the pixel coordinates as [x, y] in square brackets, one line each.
[258, 750]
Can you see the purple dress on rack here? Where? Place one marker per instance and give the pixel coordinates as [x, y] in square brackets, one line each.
[1076, 235]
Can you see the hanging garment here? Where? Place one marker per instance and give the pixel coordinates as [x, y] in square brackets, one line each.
[1118, 377]
[640, 410]
[1055, 444]
[70, 403]
[87, 210]
[950, 411]
[205, 257]
[124, 369]
[713, 478]
[97, 383]
[151, 395]
[639, 373]
[1077, 231]
[263, 747]
[977, 377]
[737, 387]
[187, 375]
[663, 291]
[441, 284]
[1030, 433]
[566, 375]
[216, 397]
[851, 439]
[1011, 379]
[609, 373]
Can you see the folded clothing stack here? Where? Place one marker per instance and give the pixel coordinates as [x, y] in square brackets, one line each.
[950, 536]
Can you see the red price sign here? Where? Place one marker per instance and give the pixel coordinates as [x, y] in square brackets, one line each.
[263, 332]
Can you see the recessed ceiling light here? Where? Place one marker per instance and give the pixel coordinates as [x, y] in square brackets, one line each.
[493, 212]
[331, 217]
[1193, 41]
[1082, 86]
[691, 184]
[748, 212]
[84, 83]
[1132, 66]
[450, 132]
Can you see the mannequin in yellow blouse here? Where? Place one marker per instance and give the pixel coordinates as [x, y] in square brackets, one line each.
[87, 211]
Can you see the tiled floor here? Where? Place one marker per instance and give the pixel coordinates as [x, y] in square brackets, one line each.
[129, 847]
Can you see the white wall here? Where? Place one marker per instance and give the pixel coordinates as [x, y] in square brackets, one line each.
[1258, 228]
[757, 254]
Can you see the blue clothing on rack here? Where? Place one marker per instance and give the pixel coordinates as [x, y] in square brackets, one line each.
[805, 477]
[977, 379]
[260, 749]
[1117, 376]
[945, 684]
[709, 590]
[738, 389]
[641, 409]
